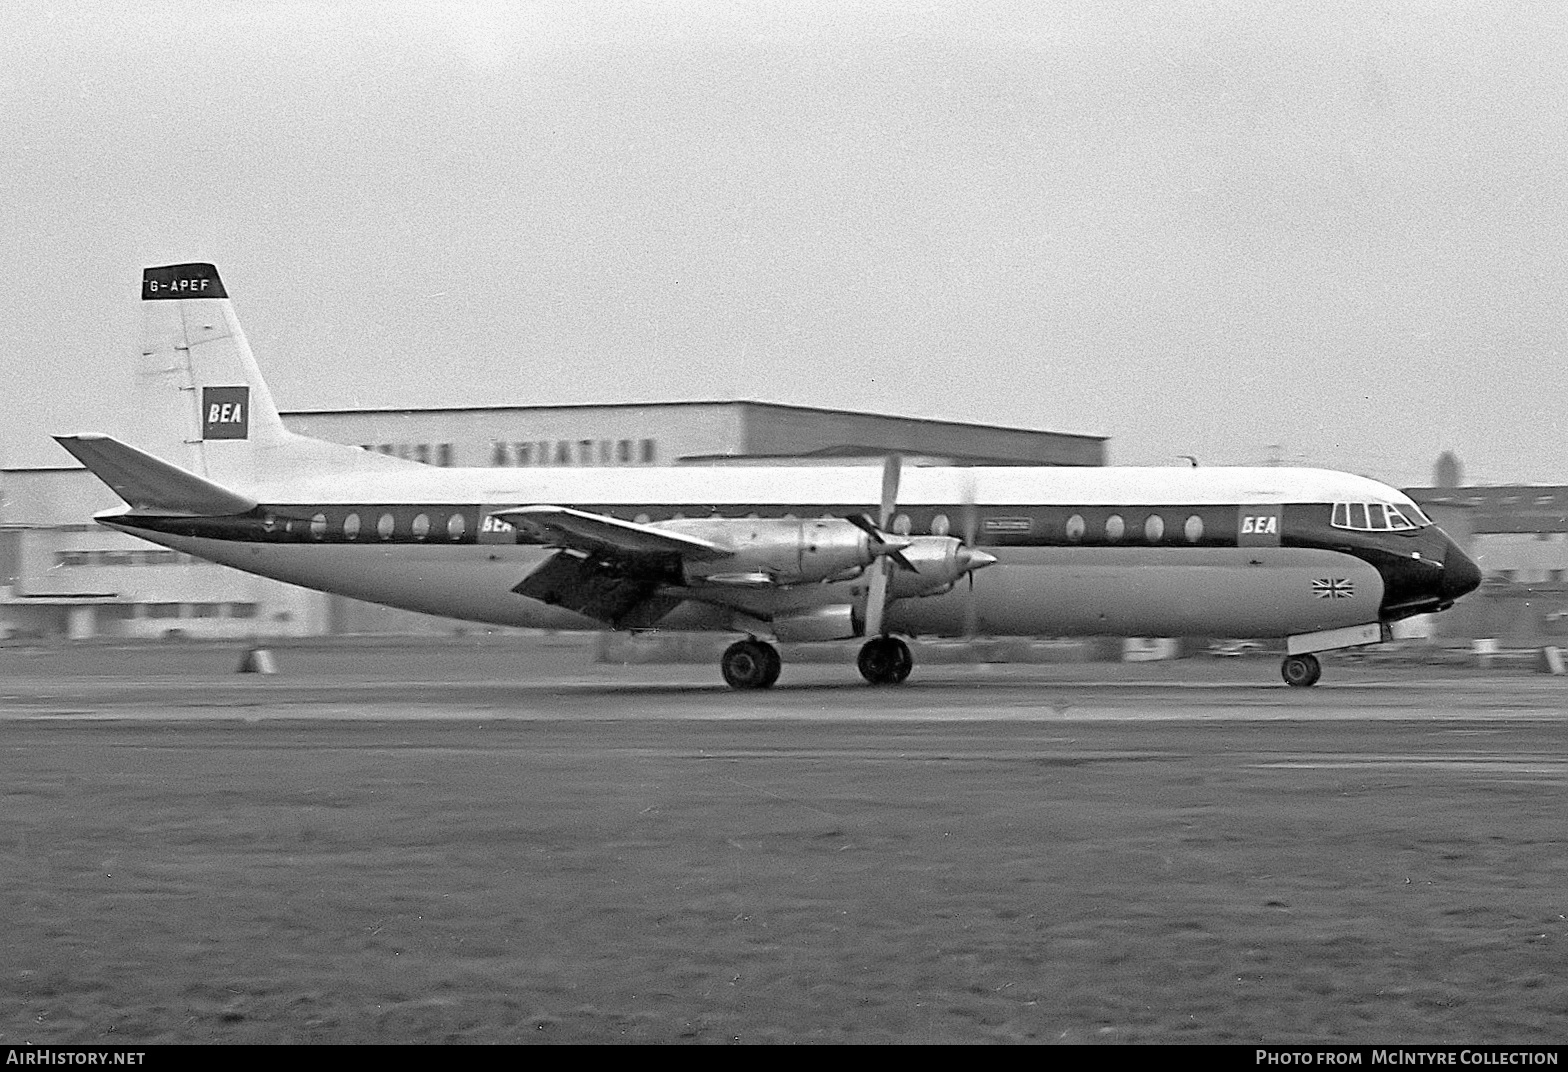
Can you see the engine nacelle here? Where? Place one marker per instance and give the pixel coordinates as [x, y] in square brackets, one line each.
[832, 622]
[778, 551]
[939, 562]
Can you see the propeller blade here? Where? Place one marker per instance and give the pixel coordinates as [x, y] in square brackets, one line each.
[886, 547]
[882, 543]
[892, 467]
[876, 599]
[971, 525]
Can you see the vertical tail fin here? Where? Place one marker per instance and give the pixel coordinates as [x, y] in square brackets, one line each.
[199, 384]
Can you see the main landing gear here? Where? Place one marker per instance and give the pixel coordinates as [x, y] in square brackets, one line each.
[751, 664]
[754, 664]
[885, 660]
[1301, 671]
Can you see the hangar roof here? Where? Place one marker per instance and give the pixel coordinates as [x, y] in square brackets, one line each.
[774, 430]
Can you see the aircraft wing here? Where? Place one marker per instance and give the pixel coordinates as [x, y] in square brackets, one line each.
[598, 534]
[616, 571]
[626, 599]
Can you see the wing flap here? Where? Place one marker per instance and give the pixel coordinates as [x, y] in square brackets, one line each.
[603, 535]
[149, 483]
[626, 600]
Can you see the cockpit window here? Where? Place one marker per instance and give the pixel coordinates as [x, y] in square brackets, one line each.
[1378, 517]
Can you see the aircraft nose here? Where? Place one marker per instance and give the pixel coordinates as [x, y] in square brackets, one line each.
[1460, 575]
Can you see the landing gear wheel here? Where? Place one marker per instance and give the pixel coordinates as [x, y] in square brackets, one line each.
[775, 665]
[750, 664]
[885, 661]
[1301, 671]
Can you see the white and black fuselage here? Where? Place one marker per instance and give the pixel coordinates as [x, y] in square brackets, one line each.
[1141, 552]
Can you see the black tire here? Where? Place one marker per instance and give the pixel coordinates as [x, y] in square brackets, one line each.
[885, 661]
[905, 662]
[1301, 671]
[775, 664]
[750, 664]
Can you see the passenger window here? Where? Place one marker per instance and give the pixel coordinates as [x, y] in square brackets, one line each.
[421, 526]
[1154, 528]
[318, 526]
[1114, 527]
[455, 526]
[1075, 527]
[351, 527]
[902, 526]
[1193, 529]
[940, 525]
[385, 526]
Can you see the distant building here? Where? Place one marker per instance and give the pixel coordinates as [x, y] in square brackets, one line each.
[1518, 535]
[61, 574]
[677, 433]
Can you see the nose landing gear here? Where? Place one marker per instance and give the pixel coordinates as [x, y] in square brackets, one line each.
[1301, 671]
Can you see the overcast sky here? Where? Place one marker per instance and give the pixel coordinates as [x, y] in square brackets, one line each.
[1328, 233]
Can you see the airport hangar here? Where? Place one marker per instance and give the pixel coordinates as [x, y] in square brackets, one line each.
[63, 575]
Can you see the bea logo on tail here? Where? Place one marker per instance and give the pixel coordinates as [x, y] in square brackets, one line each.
[225, 412]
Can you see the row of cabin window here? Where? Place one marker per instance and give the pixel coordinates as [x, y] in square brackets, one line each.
[1371, 517]
[420, 527]
[941, 525]
[1153, 528]
[1115, 526]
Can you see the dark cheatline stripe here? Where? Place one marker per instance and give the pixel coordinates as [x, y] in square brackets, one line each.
[995, 526]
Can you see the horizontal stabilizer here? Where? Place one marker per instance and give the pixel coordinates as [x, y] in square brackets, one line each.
[149, 483]
[601, 534]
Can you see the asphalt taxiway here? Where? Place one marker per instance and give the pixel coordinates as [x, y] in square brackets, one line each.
[394, 690]
[387, 844]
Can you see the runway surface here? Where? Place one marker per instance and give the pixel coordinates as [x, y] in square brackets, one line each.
[432, 852]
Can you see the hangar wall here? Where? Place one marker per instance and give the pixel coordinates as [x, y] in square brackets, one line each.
[63, 575]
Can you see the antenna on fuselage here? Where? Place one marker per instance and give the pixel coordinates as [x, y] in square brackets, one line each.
[1191, 460]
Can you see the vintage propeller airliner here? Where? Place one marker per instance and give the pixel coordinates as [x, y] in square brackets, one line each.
[1323, 559]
